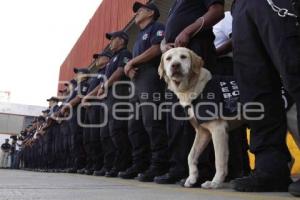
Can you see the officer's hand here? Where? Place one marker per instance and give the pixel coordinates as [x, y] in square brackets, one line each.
[132, 73]
[100, 92]
[63, 110]
[127, 68]
[56, 114]
[164, 47]
[182, 39]
[84, 101]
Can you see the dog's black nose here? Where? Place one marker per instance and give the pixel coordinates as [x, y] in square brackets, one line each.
[176, 65]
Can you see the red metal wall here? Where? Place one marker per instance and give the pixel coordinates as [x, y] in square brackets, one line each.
[111, 15]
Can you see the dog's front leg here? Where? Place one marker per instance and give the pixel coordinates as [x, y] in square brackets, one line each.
[220, 142]
[201, 141]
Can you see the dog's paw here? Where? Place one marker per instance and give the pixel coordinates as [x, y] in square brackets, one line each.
[211, 185]
[190, 181]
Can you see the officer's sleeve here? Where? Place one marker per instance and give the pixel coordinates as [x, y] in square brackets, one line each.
[73, 94]
[208, 3]
[157, 34]
[124, 58]
[227, 25]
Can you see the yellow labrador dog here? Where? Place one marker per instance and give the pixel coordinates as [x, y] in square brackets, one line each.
[183, 71]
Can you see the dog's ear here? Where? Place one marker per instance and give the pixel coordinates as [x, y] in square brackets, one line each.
[197, 62]
[161, 68]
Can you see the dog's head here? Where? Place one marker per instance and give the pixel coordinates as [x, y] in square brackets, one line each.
[180, 66]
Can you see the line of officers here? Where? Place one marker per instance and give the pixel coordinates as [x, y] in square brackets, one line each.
[139, 147]
[145, 147]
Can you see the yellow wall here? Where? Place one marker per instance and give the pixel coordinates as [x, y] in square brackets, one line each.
[293, 149]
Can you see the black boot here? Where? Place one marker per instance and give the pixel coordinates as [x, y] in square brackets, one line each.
[259, 181]
[112, 173]
[132, 172]
[294, 188]
[148, 176]
[81, 171]
[168, 178]
[101, 172]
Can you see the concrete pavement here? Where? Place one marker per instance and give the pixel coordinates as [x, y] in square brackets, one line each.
[25, 185]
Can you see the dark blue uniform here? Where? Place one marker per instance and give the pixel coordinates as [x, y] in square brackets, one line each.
[267, 47]
[147, 134]
[181, 134]
[91, 135]
[76, 135]
[116, 130]
[53, 141]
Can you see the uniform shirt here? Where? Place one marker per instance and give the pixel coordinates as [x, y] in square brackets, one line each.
[72, 94]
[223, 31]
[152, 34]
[120, 59]
[80, 89]
[95, 81]
[184, 13]
[5, 147]
[53, 109]
[13, 148]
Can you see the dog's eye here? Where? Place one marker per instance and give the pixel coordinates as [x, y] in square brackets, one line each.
[168, 58]
[183, 56]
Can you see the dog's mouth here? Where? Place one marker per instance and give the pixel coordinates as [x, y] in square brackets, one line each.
[177, 83]
[176, 74]
[177, 78]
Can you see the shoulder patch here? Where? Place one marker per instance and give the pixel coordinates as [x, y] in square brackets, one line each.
[145, 36]
[126, 60]
[160, 33]
[84, 89]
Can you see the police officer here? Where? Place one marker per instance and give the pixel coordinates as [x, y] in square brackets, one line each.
[5, 147]
[146, 132]
[238, 164]
[77, 152]
[91, 135]
[65, 125]
[107, 147]
[266, 51]
[115, 93]
[53, 136]
[189, 24]
[14, 152]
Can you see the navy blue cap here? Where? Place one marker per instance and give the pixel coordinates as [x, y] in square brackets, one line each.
[73, 82]
[53, 99]
[150, 6]
[14, 137]
[40, 119]
[106, 53]
[120, 34]
[46, 111]
[81, 70]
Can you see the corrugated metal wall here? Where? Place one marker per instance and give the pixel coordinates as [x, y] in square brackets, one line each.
[111, 15]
